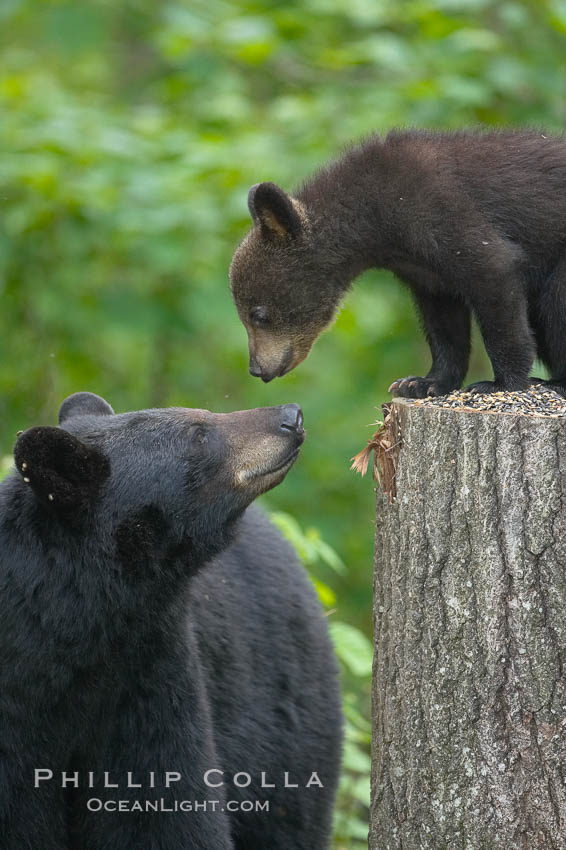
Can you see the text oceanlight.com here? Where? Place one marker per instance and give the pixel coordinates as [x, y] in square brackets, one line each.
[95, 804]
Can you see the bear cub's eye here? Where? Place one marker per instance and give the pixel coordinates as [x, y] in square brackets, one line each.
[259, 317]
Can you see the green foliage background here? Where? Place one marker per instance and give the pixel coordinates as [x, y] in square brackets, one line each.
[130, 132]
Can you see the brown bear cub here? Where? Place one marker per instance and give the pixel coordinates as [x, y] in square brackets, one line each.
[473, 222]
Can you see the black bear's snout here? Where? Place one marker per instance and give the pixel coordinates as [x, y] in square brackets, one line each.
[292, 418]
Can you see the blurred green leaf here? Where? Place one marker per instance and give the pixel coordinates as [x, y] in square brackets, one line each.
[353, 648]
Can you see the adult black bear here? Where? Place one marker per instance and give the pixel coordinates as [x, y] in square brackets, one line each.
[471, 221]
[156, 641]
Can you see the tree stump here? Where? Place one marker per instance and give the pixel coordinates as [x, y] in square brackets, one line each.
[469, 687]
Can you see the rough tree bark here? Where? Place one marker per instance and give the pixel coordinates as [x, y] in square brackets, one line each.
[469, 687]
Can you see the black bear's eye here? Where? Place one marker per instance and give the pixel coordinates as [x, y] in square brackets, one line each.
[200, 435]
[259, 317]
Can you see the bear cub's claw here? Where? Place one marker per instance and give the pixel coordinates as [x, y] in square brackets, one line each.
[481, 387]
[415, 387]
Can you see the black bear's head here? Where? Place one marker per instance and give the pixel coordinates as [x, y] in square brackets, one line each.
[282, 279]
[190, 472]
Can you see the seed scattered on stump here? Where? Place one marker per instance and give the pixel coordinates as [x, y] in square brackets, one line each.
[539, 400]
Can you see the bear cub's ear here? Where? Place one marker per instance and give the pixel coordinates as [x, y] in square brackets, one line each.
[62, 470]
[273, 209]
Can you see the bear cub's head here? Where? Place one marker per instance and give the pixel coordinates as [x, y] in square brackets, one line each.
[190, 471]
[285, 279]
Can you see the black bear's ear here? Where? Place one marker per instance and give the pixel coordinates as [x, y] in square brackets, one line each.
[60, 468]
[273, 209]
[84, 404]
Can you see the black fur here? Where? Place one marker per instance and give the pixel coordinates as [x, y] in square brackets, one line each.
[471, 221]
[170, 630]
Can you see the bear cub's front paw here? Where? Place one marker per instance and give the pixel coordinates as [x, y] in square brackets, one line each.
[415, 387]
